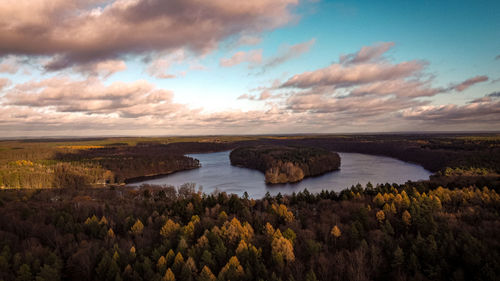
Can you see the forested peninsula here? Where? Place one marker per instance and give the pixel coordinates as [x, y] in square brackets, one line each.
[286, 164]
[463, 159]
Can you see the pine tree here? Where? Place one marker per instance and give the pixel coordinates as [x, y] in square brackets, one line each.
[111, 233]
[170, 257]
[379, 200]
[336, 231]
[161, 265]
[169, 229]
[311, 276]
[232, 270]
[282, 248]
[406, 218]
[290, 235]
[24, 273]
[137, 228]
[398, 258]
[169, 275]
[206, 275]
[380, 216]
[178, 263]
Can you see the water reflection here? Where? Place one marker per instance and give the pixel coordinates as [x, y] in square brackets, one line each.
[217, 173]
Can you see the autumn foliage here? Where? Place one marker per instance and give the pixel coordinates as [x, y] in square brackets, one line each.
[388, 232]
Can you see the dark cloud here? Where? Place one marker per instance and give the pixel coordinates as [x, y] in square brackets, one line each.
[77, 32]
[103, 68]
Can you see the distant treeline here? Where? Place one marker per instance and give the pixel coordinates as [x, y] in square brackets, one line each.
[388, 232]
[81, 166]
[76, 163]
[432, 152]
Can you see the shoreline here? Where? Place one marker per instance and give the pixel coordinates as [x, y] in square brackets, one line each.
[154, 176]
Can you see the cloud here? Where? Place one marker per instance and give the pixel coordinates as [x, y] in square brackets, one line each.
[61, 104]
[469, 82]
[349, 107]
[253, 57]
[159, 66]
[399, 87]
[74, 32]
[365, 89]
[367, 53]
[248, 40]
[365, 92]
[4, 82]
[104, 68]
[264, 95]
[91, 96]
[9, 65]
[340, 75]
[481, 111]
[289, 52]
[495, 95]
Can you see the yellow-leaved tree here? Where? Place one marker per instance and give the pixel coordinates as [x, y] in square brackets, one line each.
[336, 232]
[282, 211]
[169, 275]
[161, 264]
[232, 270]
[169, 229]
[282, 249]
[380, 216]
[234, 231]
[406, 218]
[137, 228]
[379, 200]
[206, 275]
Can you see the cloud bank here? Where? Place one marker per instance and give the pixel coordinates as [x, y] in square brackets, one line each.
[76, 32]
[362, 91]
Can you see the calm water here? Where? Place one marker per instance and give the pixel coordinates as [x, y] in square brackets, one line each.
[216, 173]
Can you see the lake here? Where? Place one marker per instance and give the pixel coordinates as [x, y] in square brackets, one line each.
[216, 173]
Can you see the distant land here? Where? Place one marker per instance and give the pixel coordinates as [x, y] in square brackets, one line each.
[284, 164]
[73, 163]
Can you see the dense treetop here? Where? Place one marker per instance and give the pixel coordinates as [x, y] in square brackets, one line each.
[407, 232]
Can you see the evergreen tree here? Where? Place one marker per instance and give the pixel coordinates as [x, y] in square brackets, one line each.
[24, 273]
[206, 275]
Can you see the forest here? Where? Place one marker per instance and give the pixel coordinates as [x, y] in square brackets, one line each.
[68, 215]
[283, 164]
[386, 232]
[98, 162]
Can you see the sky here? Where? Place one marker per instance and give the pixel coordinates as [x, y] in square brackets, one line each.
[194, 67]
